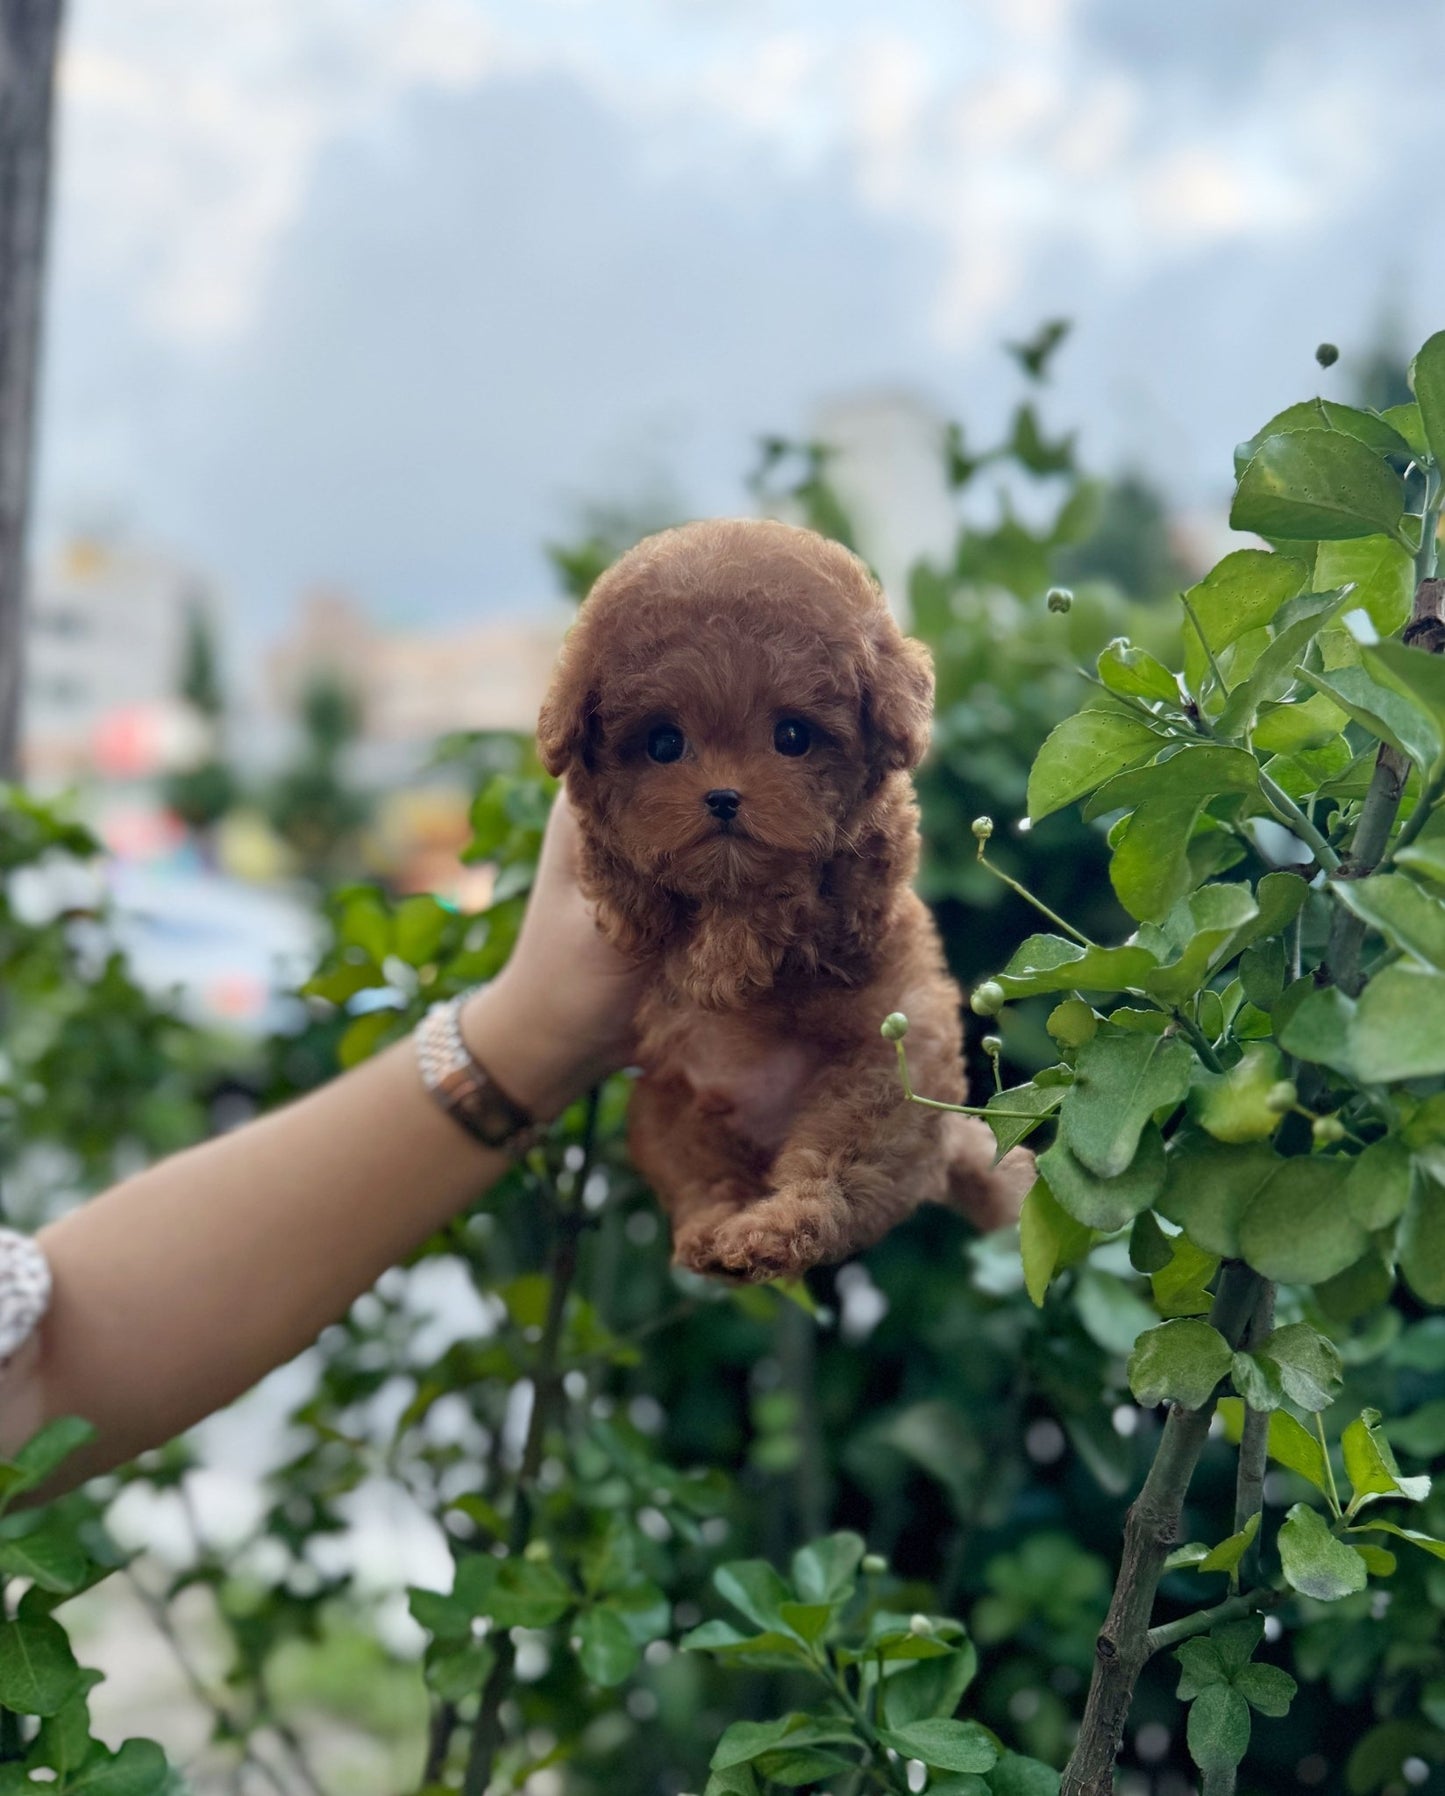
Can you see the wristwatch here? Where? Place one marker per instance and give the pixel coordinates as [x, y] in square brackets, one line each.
[464, 1088]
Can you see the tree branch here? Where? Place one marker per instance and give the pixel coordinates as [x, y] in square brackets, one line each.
[1150, 1531]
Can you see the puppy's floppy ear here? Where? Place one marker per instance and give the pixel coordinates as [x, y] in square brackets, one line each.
[567, 722]
[897, 701]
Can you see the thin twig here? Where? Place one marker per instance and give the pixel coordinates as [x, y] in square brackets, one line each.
[1249, 1477]
[1253, 1602]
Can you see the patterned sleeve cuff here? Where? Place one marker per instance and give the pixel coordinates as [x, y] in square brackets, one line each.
[24, 1291]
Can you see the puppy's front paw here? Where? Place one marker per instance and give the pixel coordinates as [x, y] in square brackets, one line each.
[782, 1236]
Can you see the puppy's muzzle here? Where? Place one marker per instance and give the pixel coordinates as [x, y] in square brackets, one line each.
[723, 802]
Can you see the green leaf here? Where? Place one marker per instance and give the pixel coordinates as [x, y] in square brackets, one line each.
[1288, 1442]
[1119, 1082]
[1218, 1728]
[525, 1595]
[1234, 1105]
[1415, 674]
[1266, 1688]
[1209, 1188]
[1408, 918]
[1200, 933]
[1296, 1229]
[753, 1587]
[1317, 486]
[737, 1780]
[1039, 1101]
[1178, 1362]
[457, 1670]
[1105, 1204]
[931, 1689]
[944, 1745]
[1227, 1555]
[1321, 1029]
[1377, 1187]
[1422, 1240]
[1426, 1542]
[1427, 382]
[1110, 1310]
[1379, 1562]
[1200, 1667]
[1048, 963]
[824, 1570]
[49, 1555]
[1181, 1285]
[50, 1447]
[1015, 1775]
[1083, 752]
[1381, 572]
[1309, 1364]
[1371, 1468]
[1150, 1249]
[1049, 1240]
[745, 1741]
[1407, 420]
[606, 1650]
[643, 1610]
[1399, 1026]
[1135, 673]
[1381, 710]
[138, 1768]
[1241, 593]
[1313, 1561]
[1299, 622]
[38, 1672]
[1257, 1381]
[419, 926]
[1374, 429]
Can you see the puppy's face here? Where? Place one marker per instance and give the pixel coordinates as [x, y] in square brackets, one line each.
[730, 697]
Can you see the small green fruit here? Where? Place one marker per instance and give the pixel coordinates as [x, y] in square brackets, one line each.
[1059, 598]
[895, 1026]
[1327, 1130]
[988, 999]
[537, 1552]
[874, 1564]
[992, 1045]
[1327, 355]
[1282, 1096]
[920, 1625]
[983, 828]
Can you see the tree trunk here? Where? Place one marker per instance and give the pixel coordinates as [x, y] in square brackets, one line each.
[29, 30]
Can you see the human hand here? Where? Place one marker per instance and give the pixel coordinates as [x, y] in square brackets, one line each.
[559, 1016]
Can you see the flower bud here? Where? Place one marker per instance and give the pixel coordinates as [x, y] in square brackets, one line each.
[874, 1564]
[1059, 598]
[1327, 355]
[988, 999]
[1281, 1097]
[983, 828]
[1327, 1130]
[537, 1552]
[920, 1625]
[993, 1046]
[895, 1026]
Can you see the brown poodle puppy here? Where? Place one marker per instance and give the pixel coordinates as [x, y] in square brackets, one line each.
[737, 713]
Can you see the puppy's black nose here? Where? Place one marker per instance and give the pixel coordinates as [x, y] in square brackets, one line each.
[723, 802]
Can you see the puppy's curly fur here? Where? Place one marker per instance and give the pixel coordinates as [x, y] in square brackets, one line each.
[736, 713]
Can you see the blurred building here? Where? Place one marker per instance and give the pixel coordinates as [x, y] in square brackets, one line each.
[414, 686]
[105, 635]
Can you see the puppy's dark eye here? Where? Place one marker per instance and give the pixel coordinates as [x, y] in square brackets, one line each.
[792, 737]
[666, 743]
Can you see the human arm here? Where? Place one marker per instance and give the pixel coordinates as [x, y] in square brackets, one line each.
[179, 1288]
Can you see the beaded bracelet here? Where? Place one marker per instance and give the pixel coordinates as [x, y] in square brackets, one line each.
[24, 1291]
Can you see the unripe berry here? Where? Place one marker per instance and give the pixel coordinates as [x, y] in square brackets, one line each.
[1059, 598]
[983, 828]
[1327, 355]
[1327, 1130]
[1281, 1097]
[537, 1552]
[993, 1046]
[874, 1564]
[920, 1625]
[988, 999]
[895, 1026]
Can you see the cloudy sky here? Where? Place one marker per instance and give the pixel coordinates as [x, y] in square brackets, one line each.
[379, 292]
